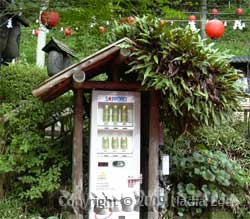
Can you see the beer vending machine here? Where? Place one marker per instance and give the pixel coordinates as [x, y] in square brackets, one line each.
[114, 174]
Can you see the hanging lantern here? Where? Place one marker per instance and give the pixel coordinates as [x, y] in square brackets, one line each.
[50, 19]
[67, 32]
[102, 29]
[162, 21]
[131, 20]
[214, 12]
[215, 29]
[192, 18]
[191, 22]
[239, 11]
[123, 20]
[35, 33]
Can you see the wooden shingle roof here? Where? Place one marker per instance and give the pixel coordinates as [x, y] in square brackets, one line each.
[240, 59]
[57, 45]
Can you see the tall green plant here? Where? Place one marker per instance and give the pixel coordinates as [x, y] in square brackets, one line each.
[196, 81]
[32, 163]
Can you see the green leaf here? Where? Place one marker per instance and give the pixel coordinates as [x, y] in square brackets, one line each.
[208, 175]
[198, 157]
[191, 189]
[156, 59]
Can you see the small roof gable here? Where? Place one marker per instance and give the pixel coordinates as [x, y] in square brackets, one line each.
[91, 65]
[57, 45]
[240, 59]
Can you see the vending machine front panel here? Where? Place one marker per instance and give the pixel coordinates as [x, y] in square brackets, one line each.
[114, 174]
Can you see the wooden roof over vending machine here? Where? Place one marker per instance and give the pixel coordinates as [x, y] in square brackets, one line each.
[106, 60]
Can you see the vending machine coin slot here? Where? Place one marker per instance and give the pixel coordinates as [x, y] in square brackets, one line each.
[118, 163]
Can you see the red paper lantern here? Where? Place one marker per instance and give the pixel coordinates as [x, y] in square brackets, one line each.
[67, 32]
[122, 21]
[131, 20]
[192, 18]
[50, 19]
[102, 29]
[239, 11]
[162, 22]
[215, 29]
[36, 33]
[214, 11]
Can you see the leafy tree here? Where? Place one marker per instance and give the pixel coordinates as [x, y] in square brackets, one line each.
[31, 164]
[196, 81]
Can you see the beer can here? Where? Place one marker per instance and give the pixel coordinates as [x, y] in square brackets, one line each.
[124, 143]
[105, 143]
[124, 114]
[115, 114]
[115, 143]
[106, 113]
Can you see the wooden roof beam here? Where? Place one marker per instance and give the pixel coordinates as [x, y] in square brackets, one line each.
[101, 85]
[96, 61]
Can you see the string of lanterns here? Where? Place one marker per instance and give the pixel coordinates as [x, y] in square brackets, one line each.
[214, 28]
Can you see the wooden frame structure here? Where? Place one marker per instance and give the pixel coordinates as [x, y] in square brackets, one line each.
[78, 78]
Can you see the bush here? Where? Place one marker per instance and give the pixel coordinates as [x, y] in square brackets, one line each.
[208, 167]
[34, 164]
[209, 179]
[13, 208]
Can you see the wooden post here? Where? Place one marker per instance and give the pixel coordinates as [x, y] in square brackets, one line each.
[203, 18]
[1, 187]
[77, 167]
[41, 39]
[153, 165]
[144, 146]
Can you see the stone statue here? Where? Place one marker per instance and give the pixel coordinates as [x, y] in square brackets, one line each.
[10, 32]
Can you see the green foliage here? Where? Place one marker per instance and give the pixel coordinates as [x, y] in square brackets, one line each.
[35, 163]
[210, 166]
[196, 80]
[86, 17]
[13, 208]
[210, 178]
[17, 83]
[228, 137]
